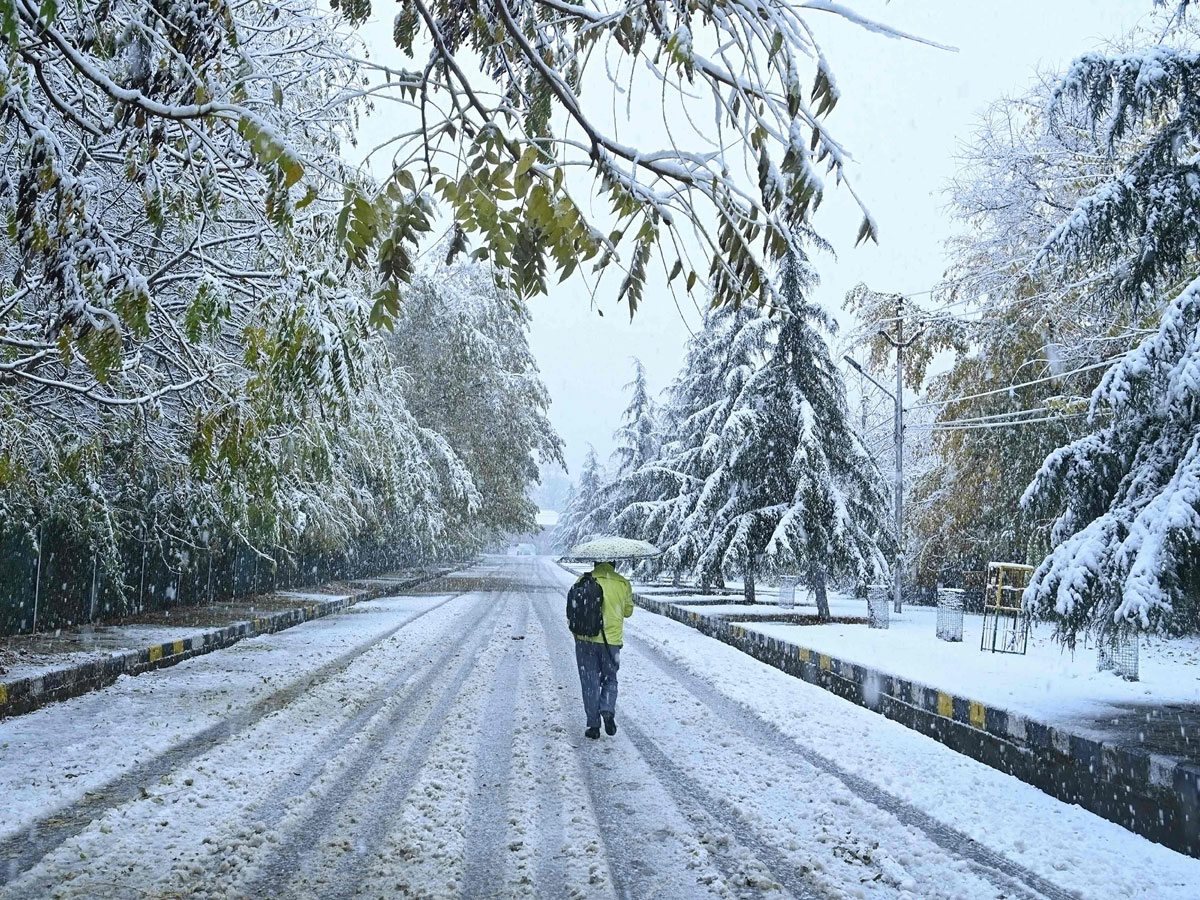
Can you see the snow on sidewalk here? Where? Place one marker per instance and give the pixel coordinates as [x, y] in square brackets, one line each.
[84, 646]
[1063, 843]
[1049, 684]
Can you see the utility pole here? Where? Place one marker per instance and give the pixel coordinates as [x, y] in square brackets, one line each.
[897, 605]
[900, 343]
[898, 426]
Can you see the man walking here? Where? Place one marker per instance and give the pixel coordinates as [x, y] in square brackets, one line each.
[599, 656]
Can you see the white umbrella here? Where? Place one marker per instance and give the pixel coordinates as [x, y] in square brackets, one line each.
[608, 549]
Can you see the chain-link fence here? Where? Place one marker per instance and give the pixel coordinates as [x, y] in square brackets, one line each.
[49, 581]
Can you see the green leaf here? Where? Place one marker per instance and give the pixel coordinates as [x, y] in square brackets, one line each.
[309, 196]
[528, 158]
[9, 22]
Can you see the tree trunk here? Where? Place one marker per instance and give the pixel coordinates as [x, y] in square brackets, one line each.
[675, 579]
[749, 579]
[816, 577]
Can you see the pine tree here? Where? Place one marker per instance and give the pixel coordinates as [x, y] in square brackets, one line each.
[727, 477]
[579, 522]
[694, 399]
[637, 479]
[638, 436]
[800, 486]
[1125, 500]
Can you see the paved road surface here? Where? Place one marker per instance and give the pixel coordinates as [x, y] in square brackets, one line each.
[433, 746]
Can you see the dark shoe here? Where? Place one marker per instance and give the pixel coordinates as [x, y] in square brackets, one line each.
[593, 733]
[610, 723]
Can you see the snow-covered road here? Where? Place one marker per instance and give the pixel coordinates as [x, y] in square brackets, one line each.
[432, 746]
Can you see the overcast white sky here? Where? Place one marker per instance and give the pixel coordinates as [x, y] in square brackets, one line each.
[904, 111]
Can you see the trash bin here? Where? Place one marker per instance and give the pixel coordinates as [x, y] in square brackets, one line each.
[879, 598]
[787, 591]
[950, 615]
[1118, 653]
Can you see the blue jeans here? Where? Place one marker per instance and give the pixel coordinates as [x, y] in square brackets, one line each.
[598, 664]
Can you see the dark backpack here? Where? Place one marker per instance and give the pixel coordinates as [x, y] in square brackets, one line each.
[585, 607]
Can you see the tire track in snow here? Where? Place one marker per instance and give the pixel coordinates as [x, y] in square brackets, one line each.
[701, 805]
[996, 868]
[737, 862]
[292, 858]
[23, 850]
[415, 680]
[488, 828]
[539, 750]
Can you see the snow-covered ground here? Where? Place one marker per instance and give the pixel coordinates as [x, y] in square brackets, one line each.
[1048, 683]
[431, 746]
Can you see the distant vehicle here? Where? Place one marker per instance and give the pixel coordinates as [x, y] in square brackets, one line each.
[524, 549]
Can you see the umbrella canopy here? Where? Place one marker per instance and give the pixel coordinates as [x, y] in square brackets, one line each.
[607, 549]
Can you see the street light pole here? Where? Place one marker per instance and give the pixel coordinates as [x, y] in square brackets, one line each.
[900, 344]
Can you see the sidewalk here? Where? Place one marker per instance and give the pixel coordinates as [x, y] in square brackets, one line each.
[1127, 751]
[47, 667]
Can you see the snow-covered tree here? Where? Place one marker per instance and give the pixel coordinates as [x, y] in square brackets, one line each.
[990, 435]
[470, 376]
[804, 491]
[634, 478]
[578, 522]
[181, 345]
[705, 399]
[1032, 339]
[1125, 502]
[672, 481]
[638, 437]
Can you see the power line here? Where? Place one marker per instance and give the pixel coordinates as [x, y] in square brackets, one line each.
[1016, 387]
[995, 417]
[951, 426]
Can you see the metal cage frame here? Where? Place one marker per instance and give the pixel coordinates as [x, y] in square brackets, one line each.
[1005, 620]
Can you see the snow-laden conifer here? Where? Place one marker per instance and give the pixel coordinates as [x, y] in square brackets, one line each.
[634, 477]
[579, 522]
[1125, 500]
[672, 481]
[720, 364]
[800, 487]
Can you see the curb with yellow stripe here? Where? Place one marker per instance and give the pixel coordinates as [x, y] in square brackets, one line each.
[26, 694]
[1155, 796]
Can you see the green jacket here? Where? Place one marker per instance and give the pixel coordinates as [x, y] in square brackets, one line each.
[618, 604]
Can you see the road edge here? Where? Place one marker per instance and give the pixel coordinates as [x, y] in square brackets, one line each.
[24, 695]
[1151, 795]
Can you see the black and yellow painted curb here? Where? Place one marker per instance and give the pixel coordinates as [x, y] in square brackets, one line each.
[1155, 796]
[26, 694]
